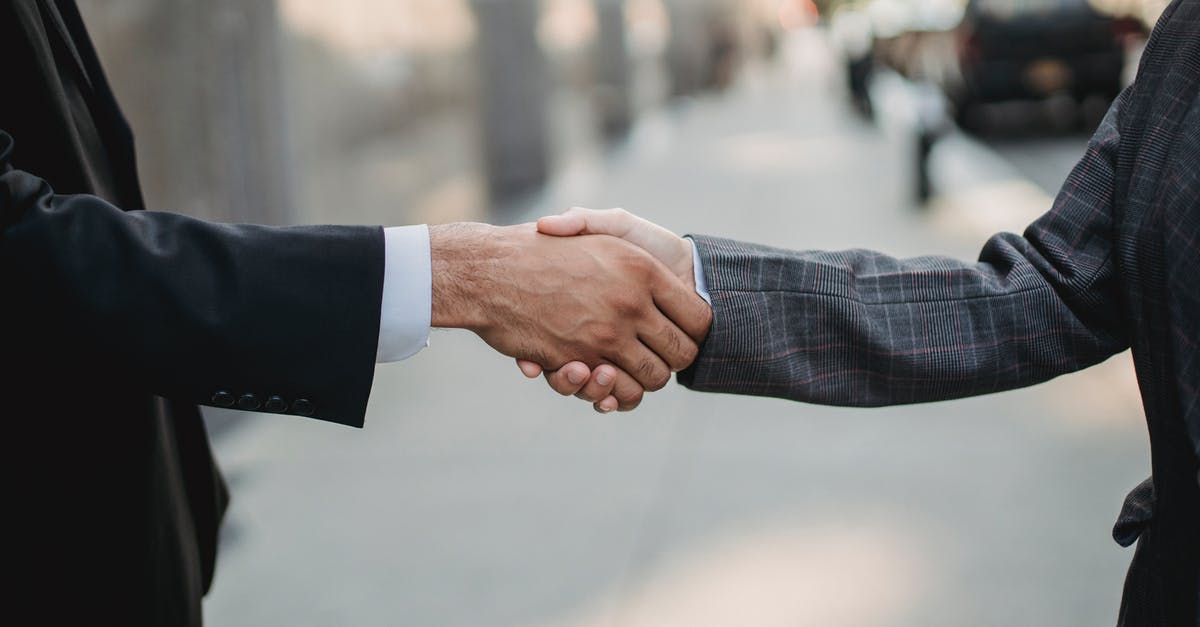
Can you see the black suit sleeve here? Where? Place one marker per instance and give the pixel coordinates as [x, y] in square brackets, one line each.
[192, 310]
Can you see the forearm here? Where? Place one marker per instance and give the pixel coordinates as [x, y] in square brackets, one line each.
[189, 308]
[863, 329]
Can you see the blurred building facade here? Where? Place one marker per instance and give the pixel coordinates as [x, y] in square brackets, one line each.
[203, 87]
[395, 111]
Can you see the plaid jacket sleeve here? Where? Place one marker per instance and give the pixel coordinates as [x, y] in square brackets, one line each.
[865, 329]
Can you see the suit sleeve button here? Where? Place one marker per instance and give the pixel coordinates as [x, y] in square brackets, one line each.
[222, 399]
[248, 402]
[276, 405]
[303, 407]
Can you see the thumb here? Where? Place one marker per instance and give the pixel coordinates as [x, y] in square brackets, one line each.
[563, 225]
[582, 221]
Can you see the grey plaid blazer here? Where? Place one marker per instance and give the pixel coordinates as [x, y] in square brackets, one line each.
[1114, 264]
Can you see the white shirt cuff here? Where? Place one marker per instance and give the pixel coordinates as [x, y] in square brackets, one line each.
[407, 293]
[698, 272]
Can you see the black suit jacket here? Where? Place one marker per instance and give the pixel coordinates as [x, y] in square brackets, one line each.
[1115, 264]
[116, 322]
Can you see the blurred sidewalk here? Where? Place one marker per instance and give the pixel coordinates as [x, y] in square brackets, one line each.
[474, 497]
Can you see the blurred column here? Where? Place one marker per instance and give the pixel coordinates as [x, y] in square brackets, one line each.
[688, 50]
[513, 96]
[614, 72]
[201, 84]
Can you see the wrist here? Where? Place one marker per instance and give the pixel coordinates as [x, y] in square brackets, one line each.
[697, 271]
[462, 261]
[687, 266]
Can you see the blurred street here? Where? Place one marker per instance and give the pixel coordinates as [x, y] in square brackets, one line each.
[475, 497]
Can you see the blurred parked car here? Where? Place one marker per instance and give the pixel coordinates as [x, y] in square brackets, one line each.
[1034, 49]
[989, 51]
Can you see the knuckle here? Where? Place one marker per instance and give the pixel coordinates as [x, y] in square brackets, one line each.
[706, 319]
[629, 306]
[688, 354]
[610, 336]
[554, 379]
[677, 356]
[589, 395]
[629, 397]
[561, 385]
[604, 334]
[638, 262]
[654, 376]
[593, 392]
[674, 344]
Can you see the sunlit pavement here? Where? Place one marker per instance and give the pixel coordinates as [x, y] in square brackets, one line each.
[475, 497]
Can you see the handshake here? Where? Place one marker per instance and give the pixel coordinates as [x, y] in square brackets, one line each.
[603, 303]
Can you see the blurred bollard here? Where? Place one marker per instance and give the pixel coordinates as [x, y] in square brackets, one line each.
[614, 71]
[708, 38]
[858, 80]
[688, 50]
[924, 187]
[513, 97]
[850, 31]
[932, 122]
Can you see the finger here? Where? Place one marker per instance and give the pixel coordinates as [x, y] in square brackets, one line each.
[607, 406]
[529, 369]
[679, 302]
[569, 379]
[644, 365]
[620, 385]
[671, 344]
[600, 385]
[627, 392]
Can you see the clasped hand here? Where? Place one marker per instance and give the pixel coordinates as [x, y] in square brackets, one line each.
[602, 302]
[605, 386]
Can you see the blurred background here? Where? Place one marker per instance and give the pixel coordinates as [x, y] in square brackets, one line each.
[476, 497]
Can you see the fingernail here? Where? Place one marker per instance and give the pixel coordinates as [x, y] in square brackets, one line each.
[603, 378]
[575, 377]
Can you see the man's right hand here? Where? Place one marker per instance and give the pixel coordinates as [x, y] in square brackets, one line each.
[552, 301]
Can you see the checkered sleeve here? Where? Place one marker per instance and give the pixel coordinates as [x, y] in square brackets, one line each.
[865, 329]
